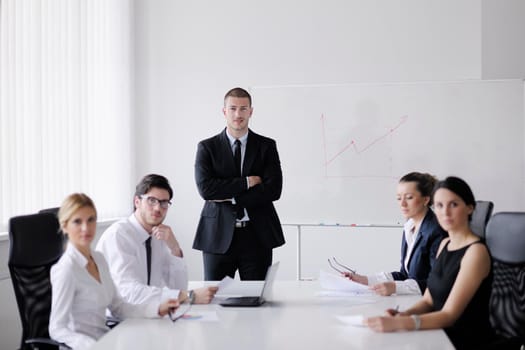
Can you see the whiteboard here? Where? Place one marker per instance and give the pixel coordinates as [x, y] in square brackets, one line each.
[344, 147]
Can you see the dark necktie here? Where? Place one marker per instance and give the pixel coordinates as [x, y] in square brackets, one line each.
[237, 156]
[148, 256]
[237, 159]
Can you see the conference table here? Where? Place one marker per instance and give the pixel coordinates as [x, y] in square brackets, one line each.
[300, 315]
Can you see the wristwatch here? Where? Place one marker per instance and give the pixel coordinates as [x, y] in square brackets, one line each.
[191, 296]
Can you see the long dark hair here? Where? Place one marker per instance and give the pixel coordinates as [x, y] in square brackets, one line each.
[460, 188]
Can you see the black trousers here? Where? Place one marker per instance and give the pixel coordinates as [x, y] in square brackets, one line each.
[246, 254]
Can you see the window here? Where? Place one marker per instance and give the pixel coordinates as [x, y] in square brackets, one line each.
[65, 105]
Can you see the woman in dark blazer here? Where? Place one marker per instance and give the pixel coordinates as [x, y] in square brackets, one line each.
[420, 241]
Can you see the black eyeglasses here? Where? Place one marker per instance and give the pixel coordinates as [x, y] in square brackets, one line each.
[175, 315]
[340, 266]
[152, 201]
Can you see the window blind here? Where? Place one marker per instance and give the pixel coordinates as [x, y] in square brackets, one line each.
[65, 104]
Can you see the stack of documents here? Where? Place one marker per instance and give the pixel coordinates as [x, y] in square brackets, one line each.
[339, 285]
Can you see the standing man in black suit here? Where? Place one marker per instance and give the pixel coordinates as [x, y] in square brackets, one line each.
[238, 174]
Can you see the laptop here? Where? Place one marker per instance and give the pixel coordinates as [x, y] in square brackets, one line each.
[251, 301]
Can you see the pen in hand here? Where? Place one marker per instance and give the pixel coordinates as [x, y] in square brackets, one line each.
[393, 312]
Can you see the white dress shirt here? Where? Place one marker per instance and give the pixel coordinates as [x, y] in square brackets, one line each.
[243, 139]
[79, 301]
[409, 230]
[408, 286]
[123, 247]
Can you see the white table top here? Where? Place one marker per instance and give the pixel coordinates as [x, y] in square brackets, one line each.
[297, 318]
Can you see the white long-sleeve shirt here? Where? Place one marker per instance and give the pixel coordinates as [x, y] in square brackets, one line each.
[79, 301]
[408, 286]
[123, 247]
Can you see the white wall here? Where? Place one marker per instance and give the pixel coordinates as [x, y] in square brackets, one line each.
[503, 34]
[189, 53]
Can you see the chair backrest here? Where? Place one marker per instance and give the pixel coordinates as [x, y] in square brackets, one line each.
[35, 245]
[505, 239]
[480, 217]
[53, 210]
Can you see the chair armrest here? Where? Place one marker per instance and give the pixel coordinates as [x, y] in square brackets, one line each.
[112, 321]
[47, 341]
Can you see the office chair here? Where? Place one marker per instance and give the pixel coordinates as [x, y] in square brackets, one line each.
[480, 217]
[506, 241]
[35, 244]
[53, 210]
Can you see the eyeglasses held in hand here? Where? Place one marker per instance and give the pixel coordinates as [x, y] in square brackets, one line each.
[339, 267]
[152, 201]
[174, 316]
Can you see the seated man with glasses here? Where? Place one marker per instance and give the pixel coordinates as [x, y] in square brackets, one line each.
[143, 254]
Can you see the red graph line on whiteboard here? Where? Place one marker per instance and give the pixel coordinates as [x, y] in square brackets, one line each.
[352, 144]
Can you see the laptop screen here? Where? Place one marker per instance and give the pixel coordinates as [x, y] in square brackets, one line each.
[268, 281]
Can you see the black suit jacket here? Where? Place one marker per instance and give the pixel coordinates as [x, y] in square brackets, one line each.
[424, 252]
[216, 180]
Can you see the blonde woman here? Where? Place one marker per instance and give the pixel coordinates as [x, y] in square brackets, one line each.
[82, 287]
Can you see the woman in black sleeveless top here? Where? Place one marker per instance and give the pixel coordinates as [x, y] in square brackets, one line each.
[472, 328]
[458, 288]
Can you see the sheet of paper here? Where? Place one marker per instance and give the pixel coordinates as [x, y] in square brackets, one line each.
[352, 320]
[350, 298]
[201, 316]
[225, 283]
[329, 281]
[229, 287]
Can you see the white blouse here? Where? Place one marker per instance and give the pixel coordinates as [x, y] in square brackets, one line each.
[408, 286]
[79, 301]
